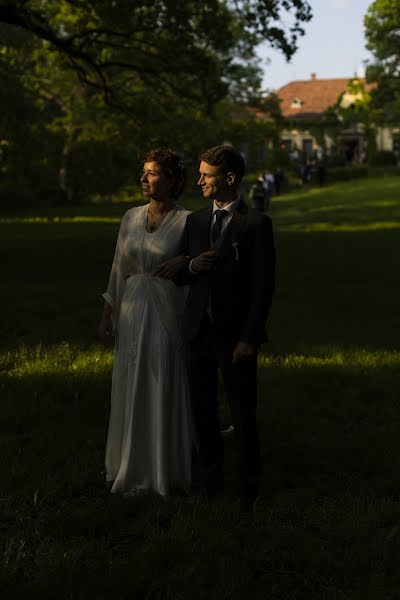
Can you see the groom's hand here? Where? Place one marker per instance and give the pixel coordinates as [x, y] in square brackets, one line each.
[204, 262]
[170, 268]
[243, 351]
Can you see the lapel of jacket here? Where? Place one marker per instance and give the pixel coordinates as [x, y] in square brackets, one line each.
[204, 222]
[233, 231]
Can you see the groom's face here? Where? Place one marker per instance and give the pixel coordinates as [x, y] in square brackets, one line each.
[212, 181]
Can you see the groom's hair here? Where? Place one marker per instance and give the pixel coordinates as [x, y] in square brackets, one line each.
[227, 158]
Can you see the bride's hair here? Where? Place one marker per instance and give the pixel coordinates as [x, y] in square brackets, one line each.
[172, 166]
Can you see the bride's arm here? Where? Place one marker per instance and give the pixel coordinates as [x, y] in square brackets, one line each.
[116, 283]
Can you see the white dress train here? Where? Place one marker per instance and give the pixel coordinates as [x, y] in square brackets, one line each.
[149, 436]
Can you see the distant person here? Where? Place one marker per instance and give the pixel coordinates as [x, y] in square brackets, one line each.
[278, 180]
[259, 194]
[149, 445]
[269, 183]
[320, 154]
[321, 173]
[270, 180]
[305, 169]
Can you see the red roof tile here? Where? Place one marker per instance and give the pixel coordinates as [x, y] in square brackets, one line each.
[315, 95]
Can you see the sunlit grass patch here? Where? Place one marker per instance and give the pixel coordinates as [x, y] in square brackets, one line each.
[345, 227]
[56, 219]
[345, 207]
[355, 359]
[352, 189]
[66, 359]
[63, 359]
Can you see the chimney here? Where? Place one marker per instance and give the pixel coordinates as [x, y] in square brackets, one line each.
[313, 76]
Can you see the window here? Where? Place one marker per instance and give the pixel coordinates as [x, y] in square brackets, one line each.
[296, 103]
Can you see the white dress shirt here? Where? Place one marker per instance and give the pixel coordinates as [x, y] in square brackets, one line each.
[229, 210]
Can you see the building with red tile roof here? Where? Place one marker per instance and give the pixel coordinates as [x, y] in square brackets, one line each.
[303, 105]
[310, 99]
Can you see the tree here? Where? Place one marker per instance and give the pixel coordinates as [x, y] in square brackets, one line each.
[194, 48]
[382, 30]
[354, 110]
[110, 77]
[27, 157]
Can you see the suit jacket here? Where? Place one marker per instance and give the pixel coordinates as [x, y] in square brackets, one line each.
[242, 285]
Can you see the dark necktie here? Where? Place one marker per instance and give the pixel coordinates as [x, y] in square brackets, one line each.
[216, 230]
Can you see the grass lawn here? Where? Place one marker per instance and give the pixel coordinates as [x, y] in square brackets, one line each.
[328, 523]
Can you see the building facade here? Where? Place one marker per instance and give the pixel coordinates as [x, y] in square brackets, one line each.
[317, 120]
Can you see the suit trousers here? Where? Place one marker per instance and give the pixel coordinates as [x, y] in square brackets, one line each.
[209, 353]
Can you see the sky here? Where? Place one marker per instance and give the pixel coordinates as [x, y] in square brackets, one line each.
[333, 45]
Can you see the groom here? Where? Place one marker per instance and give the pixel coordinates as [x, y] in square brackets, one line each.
[231, 276]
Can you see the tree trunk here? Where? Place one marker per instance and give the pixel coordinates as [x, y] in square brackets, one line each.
[63, 175]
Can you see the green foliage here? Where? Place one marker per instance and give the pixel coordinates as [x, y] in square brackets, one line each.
[360, 109]
[27, 156]
[381, 30]
[384, 157]
[354, 109]
[92, 87]
[183, 40]
[375, 170]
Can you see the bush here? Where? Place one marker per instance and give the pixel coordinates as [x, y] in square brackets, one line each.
[346, 173]
[16, 195]
[383, 157]
[338, 160]
[277, 158]
[360, 172]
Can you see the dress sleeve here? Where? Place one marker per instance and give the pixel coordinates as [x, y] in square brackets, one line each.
[116, 282]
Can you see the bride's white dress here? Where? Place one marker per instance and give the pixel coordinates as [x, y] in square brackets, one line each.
[149, 435]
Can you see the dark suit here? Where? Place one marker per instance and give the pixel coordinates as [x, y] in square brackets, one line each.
[225, 306]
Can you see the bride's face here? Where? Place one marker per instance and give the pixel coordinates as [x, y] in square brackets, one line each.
[153, 181]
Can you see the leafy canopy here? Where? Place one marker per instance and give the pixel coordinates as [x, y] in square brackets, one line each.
[382, 29]
[195, 48]
[92, 83]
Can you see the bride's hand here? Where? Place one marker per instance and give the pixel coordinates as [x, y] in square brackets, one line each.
[171, 267]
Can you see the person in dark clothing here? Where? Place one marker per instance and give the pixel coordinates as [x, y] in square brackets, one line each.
[278, 180]
[230, 269]
[259, 193]
[321, 173]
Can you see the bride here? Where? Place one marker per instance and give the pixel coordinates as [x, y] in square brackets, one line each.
[149, 435]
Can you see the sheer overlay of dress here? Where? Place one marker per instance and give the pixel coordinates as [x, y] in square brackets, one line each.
[149, 435]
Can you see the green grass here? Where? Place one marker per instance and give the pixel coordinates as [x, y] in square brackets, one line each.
[354, 206]
[328, 523]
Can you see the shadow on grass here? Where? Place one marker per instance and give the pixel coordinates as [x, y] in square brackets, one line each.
[333, 288]
[327, 525]
[329, 427]
[325, 419]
